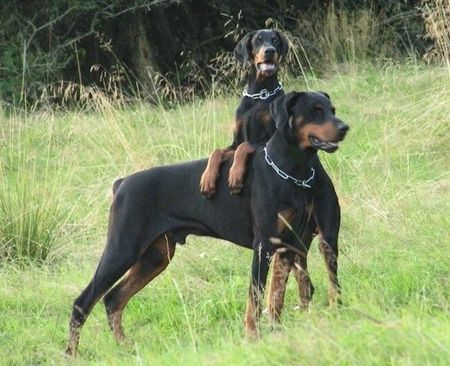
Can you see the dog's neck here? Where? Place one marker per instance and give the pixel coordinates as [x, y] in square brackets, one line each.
[290, 158]
[255, 84]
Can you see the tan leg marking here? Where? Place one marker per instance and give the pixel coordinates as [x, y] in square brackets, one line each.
[138, 276]
[74, 338]
[303, 280]
[209, 177]
[238, 168]
[334, 292]
[252, 313]
[285, 218]
[275, 297]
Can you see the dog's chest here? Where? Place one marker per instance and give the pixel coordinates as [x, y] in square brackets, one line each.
[292, 219]
[294, 209]
[258, 123]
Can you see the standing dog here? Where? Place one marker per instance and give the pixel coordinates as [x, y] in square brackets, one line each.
[288, 196]
[262, 51]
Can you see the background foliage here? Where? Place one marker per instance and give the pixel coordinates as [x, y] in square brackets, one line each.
[49, 49]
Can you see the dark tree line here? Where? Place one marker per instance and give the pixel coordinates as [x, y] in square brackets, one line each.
[45, 41]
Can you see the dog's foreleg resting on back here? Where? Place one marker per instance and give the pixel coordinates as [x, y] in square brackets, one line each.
[208, 180]
[237, 170]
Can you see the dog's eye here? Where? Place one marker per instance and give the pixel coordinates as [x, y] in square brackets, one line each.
[318, 109]
[275, 42]
[257, 41]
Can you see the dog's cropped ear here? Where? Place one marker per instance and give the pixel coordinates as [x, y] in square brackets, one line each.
[324, 94]
[281, 109]
[243, 50]
[284, 44]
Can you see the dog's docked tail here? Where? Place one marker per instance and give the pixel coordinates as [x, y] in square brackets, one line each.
[115, 187]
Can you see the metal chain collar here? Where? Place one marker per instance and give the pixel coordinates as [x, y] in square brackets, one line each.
[263, 94]
[301, 183]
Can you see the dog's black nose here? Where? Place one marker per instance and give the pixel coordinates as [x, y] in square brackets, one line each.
[342, 127]
[269, 51]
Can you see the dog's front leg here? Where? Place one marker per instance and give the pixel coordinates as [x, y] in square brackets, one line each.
[328, 217]
[262, 254]
[281, 266]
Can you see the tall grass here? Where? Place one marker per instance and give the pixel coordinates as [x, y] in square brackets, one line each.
[392, 178]
[336, 37]
[32, 216]
[436, 14]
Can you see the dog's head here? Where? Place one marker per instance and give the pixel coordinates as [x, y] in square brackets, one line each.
[263, 49]
[308, 120]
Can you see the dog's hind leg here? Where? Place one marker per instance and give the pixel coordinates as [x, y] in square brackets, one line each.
[125, 235]
[104, 278]
[154, 260]
[109, 270]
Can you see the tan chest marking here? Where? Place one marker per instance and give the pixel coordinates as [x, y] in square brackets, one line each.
[285, 218]
[265, 118]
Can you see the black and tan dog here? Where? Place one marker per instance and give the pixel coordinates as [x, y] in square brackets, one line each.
[262, 51]
[288, 197]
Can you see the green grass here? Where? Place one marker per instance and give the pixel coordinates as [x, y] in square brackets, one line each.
[392, 177]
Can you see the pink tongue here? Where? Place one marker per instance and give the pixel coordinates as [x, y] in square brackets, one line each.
[266, 67]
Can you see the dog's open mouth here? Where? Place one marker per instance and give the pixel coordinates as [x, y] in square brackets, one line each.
[328, 146]
[266, 67]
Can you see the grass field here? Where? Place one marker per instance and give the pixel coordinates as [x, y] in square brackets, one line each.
[392, 177]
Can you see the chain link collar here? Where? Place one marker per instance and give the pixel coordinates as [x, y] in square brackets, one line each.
[263, 94]
[305, 183]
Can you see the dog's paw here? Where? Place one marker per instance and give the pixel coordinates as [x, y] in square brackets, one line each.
[208, 185]
[236, 181]
[334, 299]
[303, 306]
[236, 189]
[252, 334]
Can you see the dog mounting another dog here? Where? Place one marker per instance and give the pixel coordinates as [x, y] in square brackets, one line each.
[155, 209]
[262, 51]
[288, 198]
